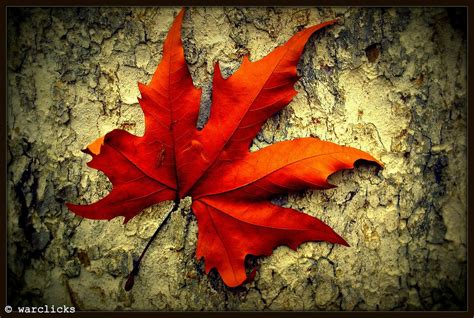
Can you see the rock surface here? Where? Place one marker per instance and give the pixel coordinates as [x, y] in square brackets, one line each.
[391, 82]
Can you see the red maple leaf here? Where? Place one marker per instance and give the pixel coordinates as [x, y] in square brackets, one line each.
[229, 185]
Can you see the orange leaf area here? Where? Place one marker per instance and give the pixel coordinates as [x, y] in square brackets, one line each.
[230, 187]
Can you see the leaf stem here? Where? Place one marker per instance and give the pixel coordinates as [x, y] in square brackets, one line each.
[136, 263]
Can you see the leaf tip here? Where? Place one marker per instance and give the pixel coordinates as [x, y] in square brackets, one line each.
[179, 17]
[380, 163]
[95, 146]
[371, 158]
[217, 71]
[343, 242]
[126, 219]
[141, 86]
[322, 25]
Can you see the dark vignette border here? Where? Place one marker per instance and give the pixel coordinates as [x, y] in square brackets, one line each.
[61, 3]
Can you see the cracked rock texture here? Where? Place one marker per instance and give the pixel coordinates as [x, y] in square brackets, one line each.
[391, 82]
